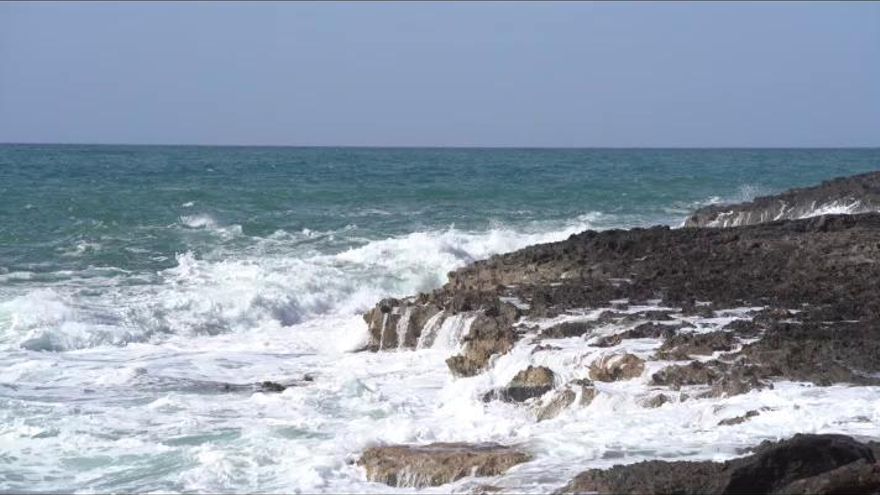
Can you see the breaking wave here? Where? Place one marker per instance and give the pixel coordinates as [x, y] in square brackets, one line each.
[223, 292]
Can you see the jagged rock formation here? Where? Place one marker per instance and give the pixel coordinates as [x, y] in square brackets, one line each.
[529, 383]
[803, 464]
[435, 464]
[616, 367]
[803, 295]
[827, 268]
[856, 194]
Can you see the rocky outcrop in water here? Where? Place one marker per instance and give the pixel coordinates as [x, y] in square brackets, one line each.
[856, 194]
[529, 383]
[685, 314]
[418, 466]
[803, 464]
[616, 367]
[825, 268]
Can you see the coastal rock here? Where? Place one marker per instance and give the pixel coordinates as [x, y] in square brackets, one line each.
[556, 404]
[856, 478]
[649, 330]
[656, 401]
[649, 477]
[775, 465]
[616, 367]
[722, 379]
[394, 324]
[683, 345]
[739, 419]
[801, 464]
[815, 279]
[820, 352]
[418, 466]
[856, 194]
[569, 329]
[531, 382]
[564, 398]
[490, 334]
[828, 262]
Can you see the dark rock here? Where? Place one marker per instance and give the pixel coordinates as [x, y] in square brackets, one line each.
[822, 353]
[395, 323]
[691, 308]
[739, 419]
[649, 477]
[861, 192]
[723, 379]
[856, 478]
[436, 464]
[556, 404]
[488, 336]
[616, 367]
[682, 345]
[531, 382]
[780, 264]
[775, 465]
[569, 329]
[801, 464]
[647, 330]
[545, 347]
[745, 329]
[657, 401]
[272, 387]
[483, 489]
[566, 397]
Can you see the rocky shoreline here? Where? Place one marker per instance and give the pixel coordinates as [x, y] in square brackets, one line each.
[729, 304]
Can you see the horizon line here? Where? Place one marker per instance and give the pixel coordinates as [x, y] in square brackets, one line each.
[473, 147]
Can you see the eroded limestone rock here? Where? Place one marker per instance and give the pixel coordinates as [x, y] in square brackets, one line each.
[418, 466]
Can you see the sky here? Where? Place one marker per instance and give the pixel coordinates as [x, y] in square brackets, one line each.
[566, 74]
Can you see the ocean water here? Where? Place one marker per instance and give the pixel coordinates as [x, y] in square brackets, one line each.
[135, 281]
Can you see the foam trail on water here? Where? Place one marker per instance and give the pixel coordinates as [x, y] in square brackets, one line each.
[235, 291]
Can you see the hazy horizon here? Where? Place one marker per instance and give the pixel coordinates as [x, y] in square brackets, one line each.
[442, 75]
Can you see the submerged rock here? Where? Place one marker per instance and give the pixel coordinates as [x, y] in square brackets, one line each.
[739, 419]
[490, 334]
[617, 367]
[656, 401]
[531, 382]
[566, 397]
[418, 466]
[802, 464]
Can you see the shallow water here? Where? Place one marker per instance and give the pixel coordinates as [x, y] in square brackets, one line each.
[136, 281]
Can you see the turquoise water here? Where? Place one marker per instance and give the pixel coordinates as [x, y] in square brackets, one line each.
[123, 205]
[131, 276]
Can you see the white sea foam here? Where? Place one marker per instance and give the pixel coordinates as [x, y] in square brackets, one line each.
[150, 415]
[238, 291]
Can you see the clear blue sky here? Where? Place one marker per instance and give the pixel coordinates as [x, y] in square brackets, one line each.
[443, 74]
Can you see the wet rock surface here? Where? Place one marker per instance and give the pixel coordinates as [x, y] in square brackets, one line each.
[490, 334]
[529, 383]
[801, 464]
[682, 346]
[725, 311]
[418, 466]
[617, 367]
[720, 378]
[580, 391]
[825, 267]
[856, 194]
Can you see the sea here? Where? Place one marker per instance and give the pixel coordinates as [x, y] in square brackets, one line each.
[144, 289]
